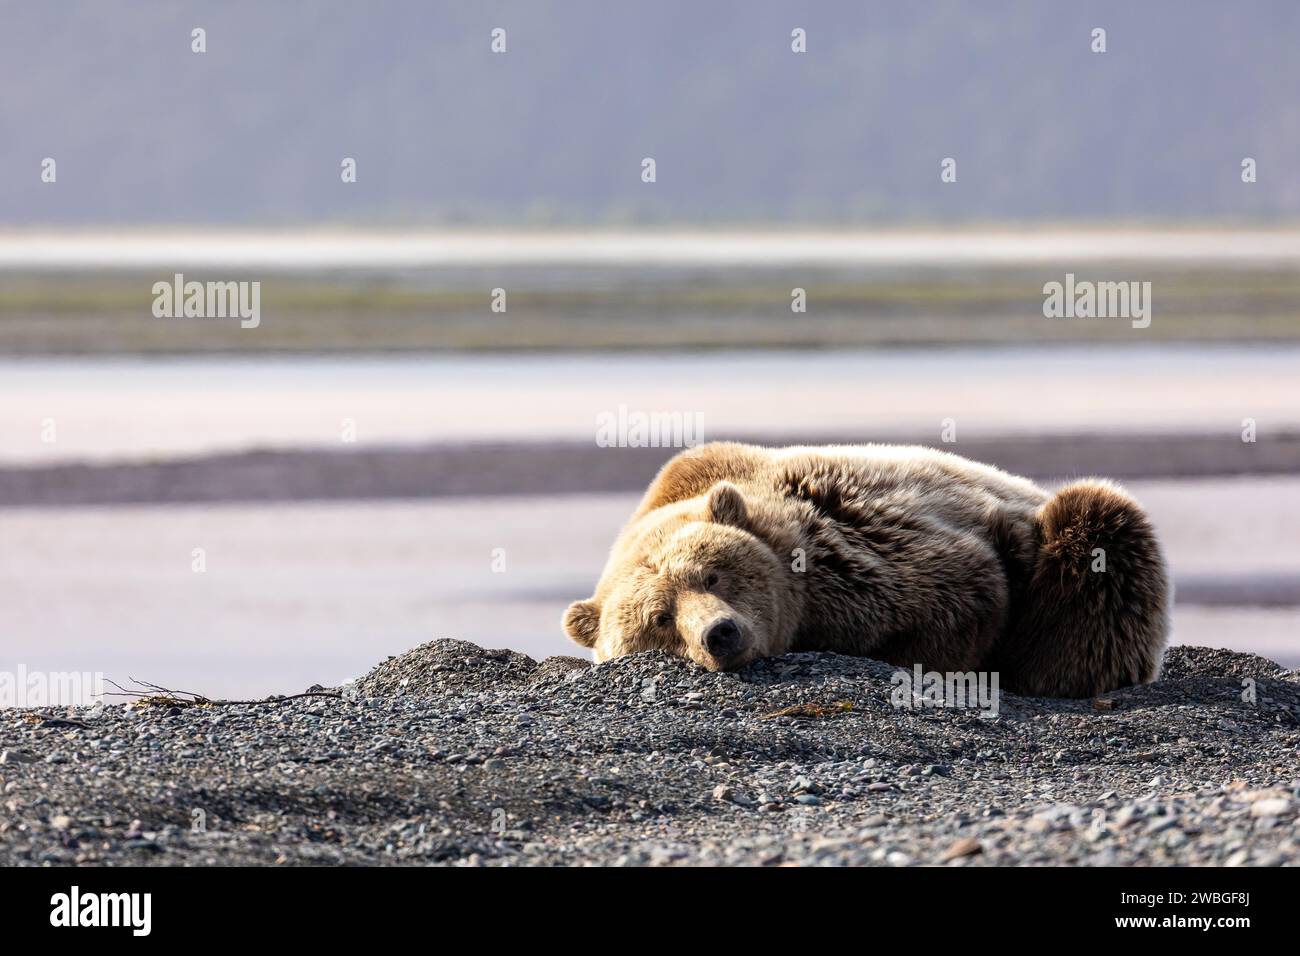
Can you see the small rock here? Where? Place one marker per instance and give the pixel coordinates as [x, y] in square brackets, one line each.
[1126, 815]
[966, 846]
[1271, 807]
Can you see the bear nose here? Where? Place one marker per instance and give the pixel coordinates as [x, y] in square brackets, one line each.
[722, 639]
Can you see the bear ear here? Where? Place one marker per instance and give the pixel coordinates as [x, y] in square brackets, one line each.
[727, 505]
[582, 622]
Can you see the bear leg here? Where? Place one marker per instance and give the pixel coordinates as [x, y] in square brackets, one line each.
[1094, 614]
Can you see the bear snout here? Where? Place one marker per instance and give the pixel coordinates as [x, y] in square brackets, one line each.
[723, 640]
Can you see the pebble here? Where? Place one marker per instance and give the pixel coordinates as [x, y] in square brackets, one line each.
[1271, 807]
[966, 846]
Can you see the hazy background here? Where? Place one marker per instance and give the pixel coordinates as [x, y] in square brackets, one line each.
[353, 468]
[555, 129]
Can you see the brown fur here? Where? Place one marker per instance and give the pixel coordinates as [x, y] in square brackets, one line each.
[905, 554]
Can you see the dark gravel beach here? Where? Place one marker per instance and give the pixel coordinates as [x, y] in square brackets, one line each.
[453, 754]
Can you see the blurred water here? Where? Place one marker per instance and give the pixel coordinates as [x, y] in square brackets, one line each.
[135, 407]
[355, 249]
[303, 593]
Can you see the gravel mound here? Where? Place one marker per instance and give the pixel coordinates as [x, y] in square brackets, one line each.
[448, 666]
[458, 755]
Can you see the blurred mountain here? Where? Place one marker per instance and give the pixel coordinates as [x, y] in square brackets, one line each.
[554, 130]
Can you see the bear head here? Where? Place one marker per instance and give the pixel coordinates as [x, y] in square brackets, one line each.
[692, 578]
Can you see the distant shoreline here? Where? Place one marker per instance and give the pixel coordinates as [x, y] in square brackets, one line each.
[65, 292]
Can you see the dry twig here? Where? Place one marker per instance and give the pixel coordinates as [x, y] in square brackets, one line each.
[148, 694]
[812, 710]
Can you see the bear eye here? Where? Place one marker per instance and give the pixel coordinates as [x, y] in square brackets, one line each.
[663, 619]
[711, 582]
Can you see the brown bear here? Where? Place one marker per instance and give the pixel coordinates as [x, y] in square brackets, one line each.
[905, 554]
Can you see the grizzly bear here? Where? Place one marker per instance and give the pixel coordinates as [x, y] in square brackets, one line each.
[905, 554]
